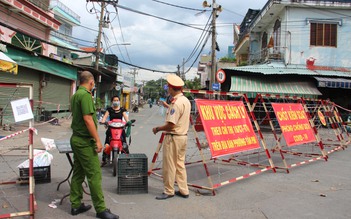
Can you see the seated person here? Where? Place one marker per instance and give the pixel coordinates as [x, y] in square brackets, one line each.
[114, 112]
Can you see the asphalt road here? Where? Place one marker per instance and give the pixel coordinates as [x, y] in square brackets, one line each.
[321, 189]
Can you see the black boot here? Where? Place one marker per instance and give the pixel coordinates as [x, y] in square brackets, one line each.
[82, 208]
[107, 215]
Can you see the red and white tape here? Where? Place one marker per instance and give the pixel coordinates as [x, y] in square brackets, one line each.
[20, 132]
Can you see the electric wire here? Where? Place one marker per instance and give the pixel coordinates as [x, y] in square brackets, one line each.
[41, 40]
[48, 6]
[164, 19]
[233, 12]
[147, 69]
[31, 25]
[120, 27]
[178, 6]
[203, 46]
[202, 36]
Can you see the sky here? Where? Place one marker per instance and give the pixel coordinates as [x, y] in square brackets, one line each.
[155, 43]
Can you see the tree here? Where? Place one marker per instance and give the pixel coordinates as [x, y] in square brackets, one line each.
[227, 59]
[194, 84]
[155, 89]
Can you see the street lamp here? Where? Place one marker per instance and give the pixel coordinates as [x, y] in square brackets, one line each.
[118, 44]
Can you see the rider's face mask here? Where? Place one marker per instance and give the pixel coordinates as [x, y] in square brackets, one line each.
[116, 103]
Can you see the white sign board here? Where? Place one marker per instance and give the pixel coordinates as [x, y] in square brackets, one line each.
[21, 110]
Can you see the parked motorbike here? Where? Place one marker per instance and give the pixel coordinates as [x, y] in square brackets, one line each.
[135, 109]
[120, 131]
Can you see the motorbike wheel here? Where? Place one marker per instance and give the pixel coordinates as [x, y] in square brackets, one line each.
[114, 164]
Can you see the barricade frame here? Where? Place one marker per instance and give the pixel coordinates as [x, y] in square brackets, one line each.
[212, 187]
[330, 112]
[31, 130]
[278, 147]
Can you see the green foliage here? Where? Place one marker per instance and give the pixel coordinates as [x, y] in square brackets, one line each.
[194, 84]
[243, 64]
[99, 104]
[227, 59]
[154, 89]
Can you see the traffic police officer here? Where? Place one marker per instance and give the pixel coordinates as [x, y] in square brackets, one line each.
[86, 145]
[175, 141]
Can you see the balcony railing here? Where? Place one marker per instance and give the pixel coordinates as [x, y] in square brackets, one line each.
[64, 38]
[63, 7]
[44, 5]
[268, 54]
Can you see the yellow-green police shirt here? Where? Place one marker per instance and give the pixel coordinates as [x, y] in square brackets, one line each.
[178, 113]
[82, 104]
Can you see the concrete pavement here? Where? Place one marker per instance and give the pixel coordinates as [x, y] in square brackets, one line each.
[321, 189]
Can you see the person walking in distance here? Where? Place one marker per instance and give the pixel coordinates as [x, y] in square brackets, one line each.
[86, 145]
[175, 141]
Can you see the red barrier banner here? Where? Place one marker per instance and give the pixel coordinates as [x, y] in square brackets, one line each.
[227, 126]
[294, 123]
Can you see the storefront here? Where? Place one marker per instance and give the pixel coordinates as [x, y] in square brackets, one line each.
[53, 81]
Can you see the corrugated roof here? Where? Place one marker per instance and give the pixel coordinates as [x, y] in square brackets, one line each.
[252, 85]
[334, 82]
[281, 69]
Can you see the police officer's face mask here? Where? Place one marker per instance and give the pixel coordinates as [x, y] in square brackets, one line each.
[92, 86]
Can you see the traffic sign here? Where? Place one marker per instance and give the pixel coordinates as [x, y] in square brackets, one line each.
[215, 86]
[220, 75]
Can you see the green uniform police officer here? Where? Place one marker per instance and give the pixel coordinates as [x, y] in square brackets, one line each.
[86, 145]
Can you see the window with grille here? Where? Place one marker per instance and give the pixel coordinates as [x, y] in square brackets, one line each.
[323, 34]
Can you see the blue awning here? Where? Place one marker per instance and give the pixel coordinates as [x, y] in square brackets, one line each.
[334, 82]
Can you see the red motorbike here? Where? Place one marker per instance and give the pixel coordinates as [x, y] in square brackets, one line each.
[118, 141]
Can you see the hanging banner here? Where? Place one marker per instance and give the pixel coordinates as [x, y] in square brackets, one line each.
[227, 126]
[294, 123]
[7, 64]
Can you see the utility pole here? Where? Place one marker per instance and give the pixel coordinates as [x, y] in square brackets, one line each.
[132, 91]
[98, 42]
[183, 72]
[178, 71]
[213, 45]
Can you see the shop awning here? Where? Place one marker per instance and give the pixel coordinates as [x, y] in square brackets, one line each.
[254, 85]
[42, 63]
[7, 64]
[334, 82]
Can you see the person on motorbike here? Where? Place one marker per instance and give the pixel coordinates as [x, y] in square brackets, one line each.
[114, 112]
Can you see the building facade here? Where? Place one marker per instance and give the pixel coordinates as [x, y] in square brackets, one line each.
[291, 44]
[25, 29]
